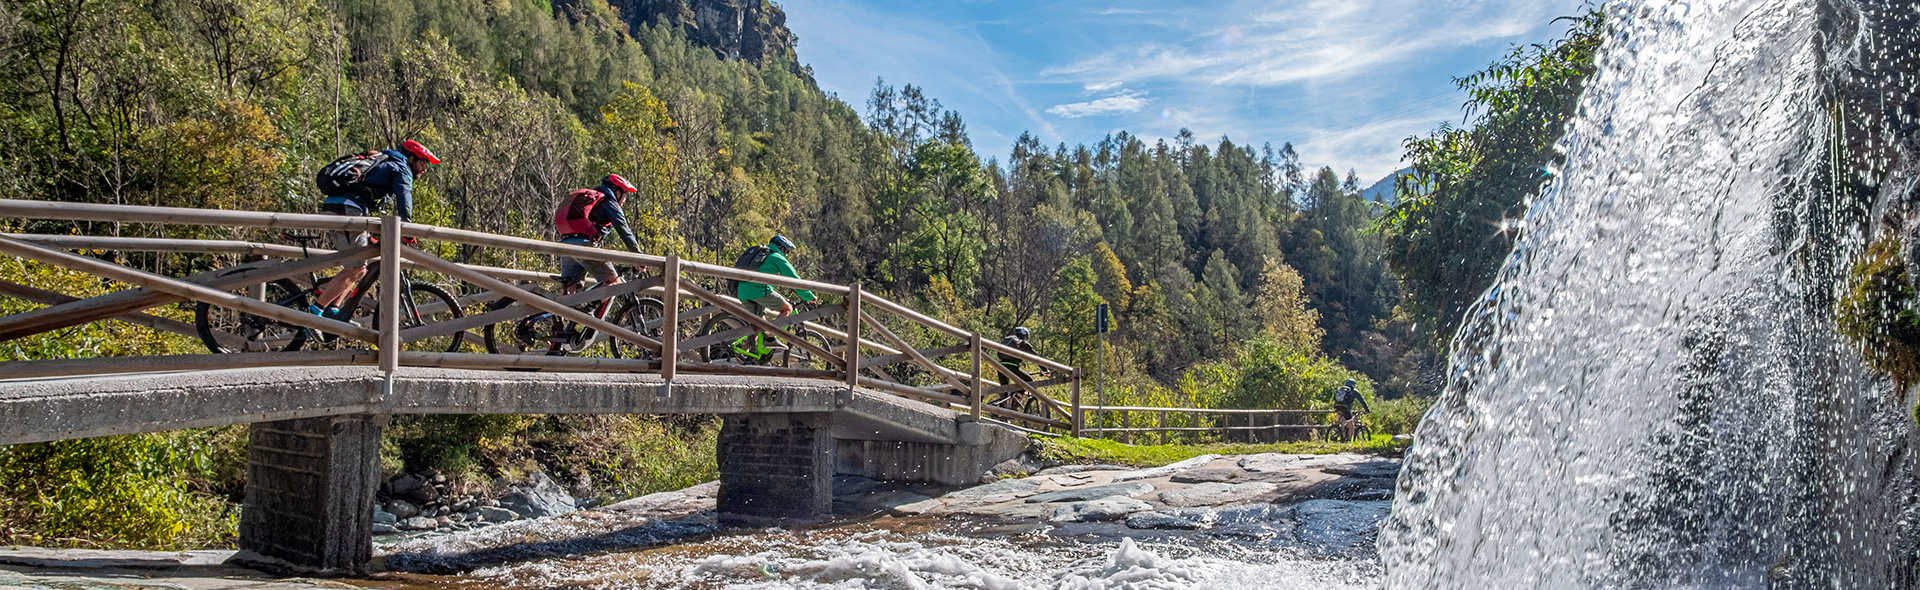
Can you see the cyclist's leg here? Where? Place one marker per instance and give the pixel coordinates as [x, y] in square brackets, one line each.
[351, 272]
[741, 345]
[1346, 420]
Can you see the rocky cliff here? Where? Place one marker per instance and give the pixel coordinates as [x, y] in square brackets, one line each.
[753, 30]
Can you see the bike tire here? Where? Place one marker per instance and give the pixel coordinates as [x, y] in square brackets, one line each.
[1362, 434]
[633, 316]
[719, 351]
[270, 335]
[798, 357]
[426, 294]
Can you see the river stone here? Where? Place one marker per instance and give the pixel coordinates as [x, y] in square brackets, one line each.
[1017, 487]
[1102, 510]
[405, 484]
[1167, 470]
[418, 523]
[1211, 474]
[538, 497]
[1214, 494]
[1094, 493]
[491, 514]
[909, 503]
[1337, 525]
[403, 510]
[1072, 479]
[384, 529]
[1268, 462]
[384, 517]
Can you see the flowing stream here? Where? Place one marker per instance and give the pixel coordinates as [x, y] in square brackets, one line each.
[1655, 394]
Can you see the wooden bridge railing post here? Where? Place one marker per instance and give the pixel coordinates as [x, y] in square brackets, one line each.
[1163, 427]
[670, 318]
[390, 290]
[979, 392]
[853, 336]
[1078, 420]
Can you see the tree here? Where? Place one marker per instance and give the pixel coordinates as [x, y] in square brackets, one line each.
[1452, 227]
[1282, 308]
[1069, 330]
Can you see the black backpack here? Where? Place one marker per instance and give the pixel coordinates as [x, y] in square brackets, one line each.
[343, 177]
[751, 259]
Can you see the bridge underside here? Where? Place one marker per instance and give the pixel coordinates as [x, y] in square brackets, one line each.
[313, 467]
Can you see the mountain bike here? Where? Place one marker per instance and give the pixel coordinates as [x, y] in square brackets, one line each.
[791, 356]
[421, 303]
[550, 334]
[1337, 431]
[1021, 400]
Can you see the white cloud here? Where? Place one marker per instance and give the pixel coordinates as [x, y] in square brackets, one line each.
[1112, 105]
[1308, 41]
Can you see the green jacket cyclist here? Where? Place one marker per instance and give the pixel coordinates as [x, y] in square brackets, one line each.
[759, 298]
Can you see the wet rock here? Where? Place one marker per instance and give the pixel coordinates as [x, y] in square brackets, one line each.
[848, 485]
[463, 505]
[457, 517]
[1101, 510]
[1167, 470]
[423, 494]
[698, 498]
[1268, 462]
[384, 517]
[1017, 487]
[1202, 518]
[1025, 464]
[1337, 526]
[1065, 469]
[491, 514]
[403, 509]
[1213, 494]
[538, 497]
[1366, 469]
[1222, 475]
[913, 508]
[418, 523]
[1003, 512]
[385, 529]
[1094, 493]
[442, 522]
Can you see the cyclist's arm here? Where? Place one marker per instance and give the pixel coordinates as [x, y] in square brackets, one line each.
[779, 265]
[402, 190]
[619, 219]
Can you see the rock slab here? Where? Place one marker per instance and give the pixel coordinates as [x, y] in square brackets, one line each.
[538, 497]
[1214, 494]
[1102, 510]
[1094, 493]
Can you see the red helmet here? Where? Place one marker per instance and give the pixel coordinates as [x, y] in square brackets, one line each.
[413, 148]
[615, 181]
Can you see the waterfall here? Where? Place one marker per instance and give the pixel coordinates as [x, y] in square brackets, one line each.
[1654, 394]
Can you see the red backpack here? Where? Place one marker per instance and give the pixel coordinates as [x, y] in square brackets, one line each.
[576, 211]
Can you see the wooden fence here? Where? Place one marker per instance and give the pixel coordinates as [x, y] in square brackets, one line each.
[855, 346]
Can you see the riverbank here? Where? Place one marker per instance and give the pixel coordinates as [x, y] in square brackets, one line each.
[1313, 515]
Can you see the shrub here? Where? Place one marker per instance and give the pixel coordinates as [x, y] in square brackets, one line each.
[1397, 416]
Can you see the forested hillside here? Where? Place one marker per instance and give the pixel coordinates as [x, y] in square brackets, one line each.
[1199, 245]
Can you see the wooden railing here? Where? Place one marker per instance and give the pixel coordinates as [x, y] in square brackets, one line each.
[859, 352]
[1254, 425]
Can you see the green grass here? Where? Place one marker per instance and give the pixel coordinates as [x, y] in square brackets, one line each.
[1070, 450]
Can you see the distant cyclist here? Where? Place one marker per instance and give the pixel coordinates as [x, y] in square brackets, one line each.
[360, 184]
[1343, 400]
[760, 298]
[584, 218]
[1019, 339]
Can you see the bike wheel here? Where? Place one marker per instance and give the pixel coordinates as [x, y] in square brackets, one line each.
[800, 358]
[219, 326]
[427, 304]
[529, 335]
[1362, 434]
[721, 351]
[634, 315]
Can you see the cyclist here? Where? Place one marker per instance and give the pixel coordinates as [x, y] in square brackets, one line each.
[759, 298]
[1343, 400]
[1018, 339]
[584, 218]
[365, 183]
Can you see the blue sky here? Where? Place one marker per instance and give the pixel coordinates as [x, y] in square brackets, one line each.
[1344, 80]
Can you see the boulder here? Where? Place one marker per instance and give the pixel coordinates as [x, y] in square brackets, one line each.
[1214, 494]
[1166, 470]
[404, 484]
[538, 497]
[1094, 493]
[384, 517]
[491, 514]
[423, 494]
[384, 529]
[1102, 510]
[401, 509]
[418, 523]
[1268, 462]
[1017, 487]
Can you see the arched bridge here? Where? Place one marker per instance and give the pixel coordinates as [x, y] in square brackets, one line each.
[854, 396]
